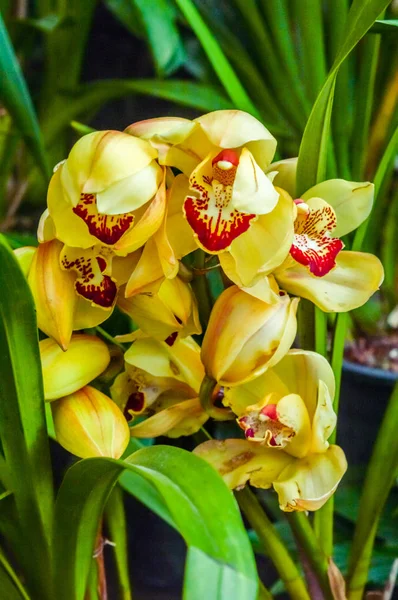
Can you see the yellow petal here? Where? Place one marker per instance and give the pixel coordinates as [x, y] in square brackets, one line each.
[147, 271]
[54, 293]
[307, 483]
[66, 372]
[293, 413]
[252, 191]
[254, 391]
[25, 257]
[234, 129]
[232, 355]
[130, 193]
[87, 423]
[351, 201]
[301, 371]
[324, 420]
[183, 418]
[46, 228]
[178, 232]
[350, 284]
[237, 461]
[264, 247]
[285, 177]
[87, 316]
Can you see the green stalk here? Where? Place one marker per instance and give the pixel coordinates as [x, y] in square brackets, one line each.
[389, 249]
[13, 576]
[206, 399]
[320, 331]
[379, 480]
[200, 287]
[263, 592]
[308, 542]
[306, 325]
[273, 544]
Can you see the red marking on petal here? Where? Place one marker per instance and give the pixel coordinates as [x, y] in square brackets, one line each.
[270, 411]
[226, 155]
[172, 338]
[91, 283]
[313, 246]
[106, 228]
[215, 233]
[272, 442]
[135, 404]
[298, 201]
[249, 433]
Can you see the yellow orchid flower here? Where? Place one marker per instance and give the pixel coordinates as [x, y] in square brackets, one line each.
[103, 190]
[287, 417]
[87, 423]
[65, 372]
[245, 336]
[162, 382]
[224, 154]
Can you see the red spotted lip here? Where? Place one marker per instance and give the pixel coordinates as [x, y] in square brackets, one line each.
[106, 228]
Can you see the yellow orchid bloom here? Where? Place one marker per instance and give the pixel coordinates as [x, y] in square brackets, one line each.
[103, 189]
[245, 336]
[224, 154]
[287, 417]
[318, 268]
[65, 372]
[162, 382]
[87, 423]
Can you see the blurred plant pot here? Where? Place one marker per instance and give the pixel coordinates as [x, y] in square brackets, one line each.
[364, 396]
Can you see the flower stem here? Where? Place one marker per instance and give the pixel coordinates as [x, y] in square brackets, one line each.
[309, 543]
[273, 544]
[200, 287]
[109, 338]
[206, 400]
[380, 478]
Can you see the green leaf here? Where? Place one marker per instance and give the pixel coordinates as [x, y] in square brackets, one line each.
[202, 507]
[22, 422]
[117, 528]
[8, 589]
[220, 64]
[15, 96]
[46, 24]
[385, 26]
[158, 19]
[311, 165]
[93, 96]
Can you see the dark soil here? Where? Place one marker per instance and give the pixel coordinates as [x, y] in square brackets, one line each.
[380, 352]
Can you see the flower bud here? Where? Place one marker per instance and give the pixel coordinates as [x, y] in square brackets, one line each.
[65, 372]
[54, 293]
[87, 423]
[246, 336]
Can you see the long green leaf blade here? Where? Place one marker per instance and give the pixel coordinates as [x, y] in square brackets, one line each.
[202, 507]
[16, 98]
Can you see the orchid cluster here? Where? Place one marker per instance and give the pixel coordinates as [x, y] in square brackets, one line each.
[124, 213]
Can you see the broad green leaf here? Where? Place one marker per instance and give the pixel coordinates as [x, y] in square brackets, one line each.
[22, 422]
[158, 19]
[15, 96]
[93, 96]
[202, 507]
[313, 150]
[385, 26]
[220, 64]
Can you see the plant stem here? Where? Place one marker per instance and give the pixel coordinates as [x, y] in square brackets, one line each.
[273, 544]
[306, 324]
[380, 478]
[200, 287]
[109, 338]
[308, 542]
[206, 399]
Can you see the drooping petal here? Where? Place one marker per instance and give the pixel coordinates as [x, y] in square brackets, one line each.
[350, 284]
[351, 201]
[285, 177]
[182, 418]
[324, 420]
[87, 315]
[313, 245]
[237, 461]
[92, 268]
[307, 483]
[235, 129]
[264, 247]
[65, 372]
[147, 272]
[54, 293]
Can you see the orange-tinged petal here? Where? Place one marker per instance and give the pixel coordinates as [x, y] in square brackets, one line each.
[87, 423]
[92, 268]
[46, 228]
[307, 483]
[351, 201]
[238, 461]
[147, 272]
[182, 418]
[235, 129]
[54, 293]
[65, 372]
[350, 284]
